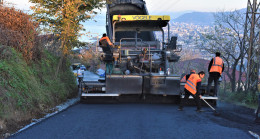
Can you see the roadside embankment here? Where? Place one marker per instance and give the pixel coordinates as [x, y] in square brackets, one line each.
[29, 91]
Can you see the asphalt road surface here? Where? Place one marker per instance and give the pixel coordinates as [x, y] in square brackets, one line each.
[143, 121]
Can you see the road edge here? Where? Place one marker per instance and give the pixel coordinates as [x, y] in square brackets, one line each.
[254, 134]
[59, 108]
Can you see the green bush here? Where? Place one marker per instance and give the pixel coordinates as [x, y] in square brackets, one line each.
[248, 99]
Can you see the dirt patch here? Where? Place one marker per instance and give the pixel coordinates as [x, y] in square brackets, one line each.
[18, 121]
[235, 116]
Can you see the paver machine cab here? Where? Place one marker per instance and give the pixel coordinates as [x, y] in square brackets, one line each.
[140, 61]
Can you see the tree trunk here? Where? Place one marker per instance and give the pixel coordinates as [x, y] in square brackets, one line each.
[233, 86]
[59, 65]
[61, 59]
[240, 74]
[233, 81]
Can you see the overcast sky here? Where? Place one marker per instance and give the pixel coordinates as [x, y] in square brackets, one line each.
[195, 5]
[159, 7]
[171, 5]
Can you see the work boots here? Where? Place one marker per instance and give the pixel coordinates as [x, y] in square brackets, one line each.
[180, 109]
[199, 110]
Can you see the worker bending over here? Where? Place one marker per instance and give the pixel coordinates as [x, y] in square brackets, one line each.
[192, 87]
[215, 69]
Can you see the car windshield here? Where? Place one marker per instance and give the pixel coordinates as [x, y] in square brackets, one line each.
[75, 67]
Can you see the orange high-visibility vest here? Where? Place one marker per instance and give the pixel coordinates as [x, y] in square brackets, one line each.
[183, 79]
[191, 84]
[107, 39]
[217, 65]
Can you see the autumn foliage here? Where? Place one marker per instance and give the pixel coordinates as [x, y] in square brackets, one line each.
[17, 30]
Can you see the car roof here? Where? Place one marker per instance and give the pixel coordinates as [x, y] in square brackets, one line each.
[76, 63]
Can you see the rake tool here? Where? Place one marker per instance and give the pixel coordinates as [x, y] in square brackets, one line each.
[215, 112]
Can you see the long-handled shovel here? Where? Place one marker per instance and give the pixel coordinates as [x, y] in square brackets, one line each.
[215, 112]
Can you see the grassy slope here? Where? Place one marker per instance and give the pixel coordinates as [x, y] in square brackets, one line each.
[246, 99]
[26, 91]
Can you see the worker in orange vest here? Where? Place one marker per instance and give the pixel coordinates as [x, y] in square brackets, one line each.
[186, 77]
[192, 87]
[215, 69]
[104, 37]
[105, 42]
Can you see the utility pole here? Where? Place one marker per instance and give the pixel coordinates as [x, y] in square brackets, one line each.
[252, 39]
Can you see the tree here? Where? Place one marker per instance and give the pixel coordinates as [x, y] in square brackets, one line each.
[189, 54]
[17, 30]
[64, 18]
[227, 38]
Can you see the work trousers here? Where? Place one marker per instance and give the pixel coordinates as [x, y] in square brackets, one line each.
[186, 97]
[109, 68]
[210, 80]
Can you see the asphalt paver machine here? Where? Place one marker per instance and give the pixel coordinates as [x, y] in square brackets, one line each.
[140, 61]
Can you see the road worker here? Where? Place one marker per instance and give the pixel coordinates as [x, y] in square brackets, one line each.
[185, 77]
[80, 74]
[215, 69]
[105, 42]
[192, 87]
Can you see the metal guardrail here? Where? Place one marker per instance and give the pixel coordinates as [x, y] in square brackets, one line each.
[204, 97]
[99, 95]
[131, 39]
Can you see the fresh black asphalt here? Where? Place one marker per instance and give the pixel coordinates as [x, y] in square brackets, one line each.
[134, 121]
